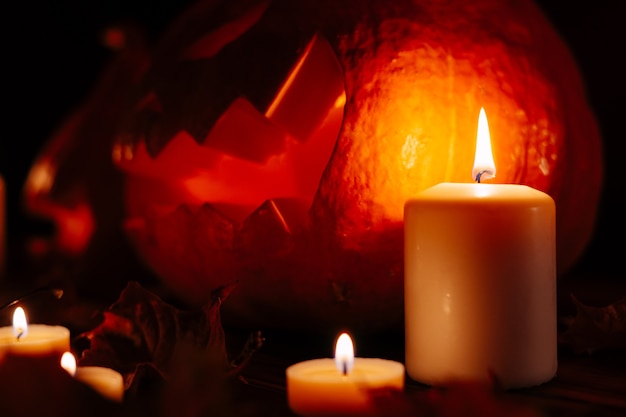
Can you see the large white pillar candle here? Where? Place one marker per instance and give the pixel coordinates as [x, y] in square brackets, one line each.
[480, 284]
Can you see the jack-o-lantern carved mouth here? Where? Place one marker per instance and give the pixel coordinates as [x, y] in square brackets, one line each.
[250, 155]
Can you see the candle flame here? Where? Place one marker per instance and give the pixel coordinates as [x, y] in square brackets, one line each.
[68, 362]
[484, 166]
[344, 354]
[20, 324]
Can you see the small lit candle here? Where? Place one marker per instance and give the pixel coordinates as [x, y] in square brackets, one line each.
[480, 280]
[343, 385]
[33, 339]
[105, 381]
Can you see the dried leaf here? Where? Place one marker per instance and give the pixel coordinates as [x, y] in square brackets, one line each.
[595, 328]
[140, 330]
[253, 343]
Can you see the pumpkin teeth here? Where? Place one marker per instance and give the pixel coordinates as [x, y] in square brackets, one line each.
[203, 244]
[243, 132]
[198, 242]
[206, 230]
[205, 227]
[270, 227]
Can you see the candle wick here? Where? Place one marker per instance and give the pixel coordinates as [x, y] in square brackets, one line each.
[20, 333]
[481, 173]
[345, 367]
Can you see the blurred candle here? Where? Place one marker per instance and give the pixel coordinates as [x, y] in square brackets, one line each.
[480, 281]
[33, 339]
[105, 381]
[342, 386]
[2, 228]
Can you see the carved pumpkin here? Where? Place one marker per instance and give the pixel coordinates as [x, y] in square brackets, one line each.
[274, 143]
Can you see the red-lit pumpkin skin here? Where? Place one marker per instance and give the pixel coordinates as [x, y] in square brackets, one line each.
[310, 222]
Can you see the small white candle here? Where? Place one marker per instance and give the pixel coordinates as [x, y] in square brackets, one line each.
[33, 339]
[105, 381]
[480, 282]
[343, 385]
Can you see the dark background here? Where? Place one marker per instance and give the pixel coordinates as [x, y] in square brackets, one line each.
[52, 57]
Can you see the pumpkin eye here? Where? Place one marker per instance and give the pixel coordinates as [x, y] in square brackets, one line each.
[309, 97]
[313, 90]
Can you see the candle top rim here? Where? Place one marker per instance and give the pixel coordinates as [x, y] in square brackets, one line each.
[513, 193]
[85, 371]
[36, 333]
[39, 327]
[324, 369]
